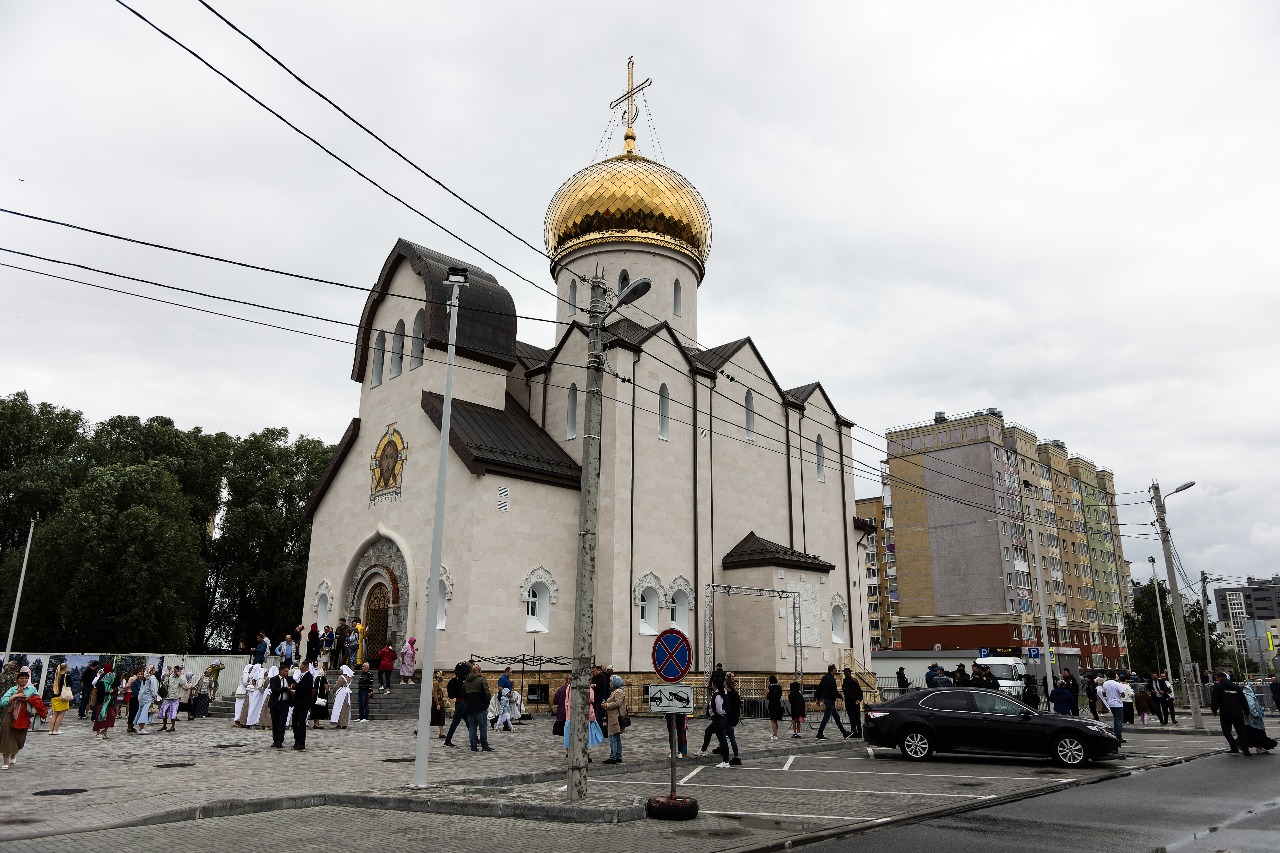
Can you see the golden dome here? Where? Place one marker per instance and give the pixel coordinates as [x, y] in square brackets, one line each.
[628, 198]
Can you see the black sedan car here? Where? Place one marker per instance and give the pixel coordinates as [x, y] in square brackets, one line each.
[964, 719]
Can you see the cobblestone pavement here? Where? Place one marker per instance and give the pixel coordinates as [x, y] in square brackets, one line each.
[773, 793]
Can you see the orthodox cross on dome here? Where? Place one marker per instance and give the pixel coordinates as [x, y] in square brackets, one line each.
[632, 112]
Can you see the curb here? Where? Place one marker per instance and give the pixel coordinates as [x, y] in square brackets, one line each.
[847, 829]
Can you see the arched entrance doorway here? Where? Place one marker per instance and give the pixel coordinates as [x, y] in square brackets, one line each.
[377, 607]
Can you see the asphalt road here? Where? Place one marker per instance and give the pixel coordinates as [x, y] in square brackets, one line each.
[1223, 802]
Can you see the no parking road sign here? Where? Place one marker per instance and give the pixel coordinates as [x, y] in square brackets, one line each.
[672, 655]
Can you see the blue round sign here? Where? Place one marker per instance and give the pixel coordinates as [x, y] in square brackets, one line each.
[672, 655]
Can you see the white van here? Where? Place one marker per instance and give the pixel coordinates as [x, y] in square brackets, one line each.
[1008, 671]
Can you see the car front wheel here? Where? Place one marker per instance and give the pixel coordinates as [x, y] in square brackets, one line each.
[1069, 751]
[916, 744]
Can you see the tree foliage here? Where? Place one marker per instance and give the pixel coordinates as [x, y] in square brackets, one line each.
[1142, 629]
[149, 536]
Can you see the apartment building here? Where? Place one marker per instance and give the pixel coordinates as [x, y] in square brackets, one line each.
[881, 570]
[1256, 600]
[984, 514]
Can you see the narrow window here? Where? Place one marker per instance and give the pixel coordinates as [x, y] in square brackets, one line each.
[397, 350]
[676, 300]
[664, 412]
[573, 297]
[837, 624]
[418, 343]
[650, 610]
[624, 280]
[822, 461]
[537, 609]
[442, 591]
[571, 413]
[379, 354]
[750, 405]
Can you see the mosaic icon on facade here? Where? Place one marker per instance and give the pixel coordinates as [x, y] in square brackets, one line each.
[387, 467]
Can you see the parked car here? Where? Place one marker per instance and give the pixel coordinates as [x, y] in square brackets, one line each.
[970, 720]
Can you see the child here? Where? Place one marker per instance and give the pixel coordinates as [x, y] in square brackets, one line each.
[796, 697]
[504, 710]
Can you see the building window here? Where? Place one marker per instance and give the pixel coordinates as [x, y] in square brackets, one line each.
[750, 405]
[397, 350]
[443, 591]
[536, 609]
[680, 610]
[839, 625]
[822, 461]
[676, 300]
[650, 611]
[379, 354]
[664, 410]
[571, 413]
[419, 339]
[573, 297]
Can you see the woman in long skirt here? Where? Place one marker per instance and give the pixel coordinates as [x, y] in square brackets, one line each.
[103, 700]
[594, 734]
[257, 698]
[242, 696]
[340, 713]
[147, 694]
[437, 705]
[320, 709]
[1255, 728]
[408, 657]
[201, 695]
[17, 706]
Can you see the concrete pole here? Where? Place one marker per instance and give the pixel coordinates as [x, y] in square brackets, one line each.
[17, 599]
[1044, 612]
[1204, 603]
[1164, 640]
[1189, 676]
[427, 648]
[585, 586]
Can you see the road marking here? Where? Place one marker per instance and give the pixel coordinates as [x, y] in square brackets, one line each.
[692, 774]
[776, 814]
[786, 766]
[924, 775]
[816, 790]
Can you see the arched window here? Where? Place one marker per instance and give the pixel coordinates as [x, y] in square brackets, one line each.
[676, 300]
[573, 296]
[419, 339]
[624, 279]
[750, 423]
[379, 354]
[650, 611]
[443, 591]
[397, 350]
[664, 413]
[571, 413]
[537, 609]
[822, 461]
[680, 610]
[839, 625]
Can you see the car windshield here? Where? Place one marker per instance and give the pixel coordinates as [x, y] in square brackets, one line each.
[1004, 671]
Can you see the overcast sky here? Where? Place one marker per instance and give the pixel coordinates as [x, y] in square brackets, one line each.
[1067, 211]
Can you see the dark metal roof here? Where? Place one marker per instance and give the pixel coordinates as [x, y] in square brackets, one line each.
[717, 357]
[331, 470]
[754, 551]
[629, 331]
[503, 441]
[802, 393]
[486, 321]
[530, 356]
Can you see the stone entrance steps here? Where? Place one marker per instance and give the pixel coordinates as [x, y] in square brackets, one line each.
[400, 704]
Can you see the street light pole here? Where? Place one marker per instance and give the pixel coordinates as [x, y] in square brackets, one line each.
[17, 599]
[585, 578]
[1164, 640]
[1189, 676]
[1044, 611]
[458, 278]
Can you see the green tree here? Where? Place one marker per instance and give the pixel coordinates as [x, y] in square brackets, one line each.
[116, 567]
[1142, 630]
[259, 569]
[42, 453]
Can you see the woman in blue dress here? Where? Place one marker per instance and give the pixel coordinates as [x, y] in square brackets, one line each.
[147, 693]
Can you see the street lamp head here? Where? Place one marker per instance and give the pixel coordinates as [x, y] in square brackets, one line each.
[1152, 561]
[458, 275]
[1183, 487]
[633, 291]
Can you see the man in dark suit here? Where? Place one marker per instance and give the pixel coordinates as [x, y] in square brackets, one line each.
[852, 691]
[279, 699]
[828, 693]
[304, 696]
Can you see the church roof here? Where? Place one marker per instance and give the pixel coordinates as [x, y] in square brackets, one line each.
[803, 392]
[503, 441]
[531, 356]
[486, 321]
[755, 551]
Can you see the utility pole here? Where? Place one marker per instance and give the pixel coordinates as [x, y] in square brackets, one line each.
[1190, 678]
[1164, 640]
[585, 583]
[1044, 611]
[1204, 603]
[17, 599]
[458, 278]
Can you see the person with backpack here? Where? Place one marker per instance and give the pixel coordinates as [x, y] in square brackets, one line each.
[717, 713]
[852, 691]
[353, 646]
[828, 694]
[453, 690]
[732, 716]
[1030, 692]
[477, 693]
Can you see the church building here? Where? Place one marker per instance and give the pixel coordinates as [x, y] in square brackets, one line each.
[716, 480]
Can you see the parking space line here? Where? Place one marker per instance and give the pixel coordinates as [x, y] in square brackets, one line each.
[903, 773]
[777, 814]
[786, 766]
[815, 790]
[695, 772]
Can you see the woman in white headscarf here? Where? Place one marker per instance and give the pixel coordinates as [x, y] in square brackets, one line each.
[242, 695]
[340, 714]
[257, 697]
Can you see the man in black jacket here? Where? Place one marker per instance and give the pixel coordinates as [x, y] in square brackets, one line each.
[279, 699]
[828, 693]
[86, 687]
[304, 696]
[1228, 703]
[454, 691]
[600, 678]
[853, 701]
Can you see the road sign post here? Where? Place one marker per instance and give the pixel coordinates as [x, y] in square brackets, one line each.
[672, 657]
